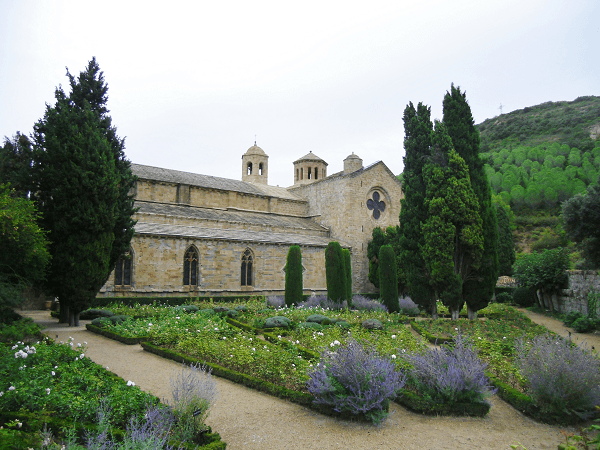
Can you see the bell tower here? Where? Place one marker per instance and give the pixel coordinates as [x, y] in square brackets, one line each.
[255, 165]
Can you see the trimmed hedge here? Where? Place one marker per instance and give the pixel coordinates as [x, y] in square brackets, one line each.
[115, 336]
[171, 301]
[430, 337]
[425, 406]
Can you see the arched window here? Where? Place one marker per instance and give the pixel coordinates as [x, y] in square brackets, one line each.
[316, 173]
[297, 174]
[247, 262]
[260, 169]
[302, 173]
[190, 267]
[123, 270]
[249, 169]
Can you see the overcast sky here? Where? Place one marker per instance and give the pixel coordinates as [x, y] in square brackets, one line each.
[192, 83]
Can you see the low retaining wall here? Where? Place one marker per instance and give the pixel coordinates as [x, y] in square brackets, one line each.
[575, 297]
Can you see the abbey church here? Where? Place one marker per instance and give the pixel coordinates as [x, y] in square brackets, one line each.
[199, 235]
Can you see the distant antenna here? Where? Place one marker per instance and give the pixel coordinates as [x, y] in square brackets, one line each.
[255, 140]
[500, 108]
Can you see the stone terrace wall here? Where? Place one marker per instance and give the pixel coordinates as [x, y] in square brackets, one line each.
[575, 297]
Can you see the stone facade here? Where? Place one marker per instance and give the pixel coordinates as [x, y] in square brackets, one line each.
[575, 297]
[236, 234]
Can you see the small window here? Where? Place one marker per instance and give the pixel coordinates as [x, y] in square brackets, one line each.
[297, 174]
[123, 270]
[249, 169]
[260, 169]
[302, 173]
[247, 260]
[309, 174]
[190, 267]
[316, 173]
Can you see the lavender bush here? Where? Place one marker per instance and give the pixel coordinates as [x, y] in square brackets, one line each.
[451, 374]
[193, 390]
[321, 301]
[560, 376]
[408, 307]
[366, 304]
[355, 379]
[275, 301]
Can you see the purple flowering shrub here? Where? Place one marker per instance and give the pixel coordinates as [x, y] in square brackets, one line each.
[322, 301]
[560, 376]
[366, 304]
[275, 301]
[408, 307]
[451, 374]
[355, 379]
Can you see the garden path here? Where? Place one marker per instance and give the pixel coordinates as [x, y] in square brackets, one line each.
[247, 419]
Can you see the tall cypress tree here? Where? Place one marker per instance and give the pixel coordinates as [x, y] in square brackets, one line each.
[348, 269]
[388, 278]
[79, 192]
[335, 272]
[453, 241]
[478, 289]
[414, 277]
[89, 88]
[293, 276]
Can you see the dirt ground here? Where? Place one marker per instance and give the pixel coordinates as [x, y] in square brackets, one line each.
[247, 419]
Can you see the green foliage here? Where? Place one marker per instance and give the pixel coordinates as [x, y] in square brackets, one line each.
[478, 285]
[581, 216]
[503, 297]
[506, 245]
[82, 190]
[15, 163]
[293, 276]
[413, 276]
[453, 240]
[388, 281]
[335, 272]
[23, 247]
[348, 267]
[524, 297]
[546, 270]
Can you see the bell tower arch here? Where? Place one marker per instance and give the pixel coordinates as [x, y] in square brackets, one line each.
[255, 165]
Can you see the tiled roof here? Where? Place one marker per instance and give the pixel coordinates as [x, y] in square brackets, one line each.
[310, 157]
[231, 235]
[231, 216]
[206, 181]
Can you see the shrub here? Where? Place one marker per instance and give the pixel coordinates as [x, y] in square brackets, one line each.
[583, 325]
[388, 278]
[91, 314]
[363, 303]
[293, 276]
[503, 297]
[335, 272]
[320, 301]
[355, 379]
[523, 297]
[452, 374]
[561, 378]
[275, 301]
[348, 268]
[408, 307]
[194, 390]
[571, 317]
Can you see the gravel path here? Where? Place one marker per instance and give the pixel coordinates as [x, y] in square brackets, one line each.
[247, 419]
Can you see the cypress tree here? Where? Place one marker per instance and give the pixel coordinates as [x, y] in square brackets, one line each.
[78, 190]
[413, 275]
[388, 278]
[293, 276]
[453, 241]
[478, 288]
[335, 272]
[348, 267]
[506, 244]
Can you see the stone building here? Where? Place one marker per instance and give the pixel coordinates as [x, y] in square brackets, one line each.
[200, 235]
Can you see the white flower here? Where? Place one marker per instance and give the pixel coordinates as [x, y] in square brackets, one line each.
[393, 356]
[106, 367]
[19, 424]
[149, 324]
[224, 338]
[48, 391]
[253, 349]
[79, 344]
[456, 329]
[81, 356]
[53, 373]
[504, 337]
[331, 345]
[71, 338]
[12, 388]
[130, 383]
[393, 336]
[250, 339]
[216, 329]
[56, 367]
[84, 342]
[177, 317]
[15, 346]
[336, 342]
[1, 393]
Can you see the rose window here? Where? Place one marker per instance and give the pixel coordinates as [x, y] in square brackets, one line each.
[375, 205]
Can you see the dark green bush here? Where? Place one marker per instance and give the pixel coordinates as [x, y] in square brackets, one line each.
[92, 314]
[524, 297]
[503, 297]
[348, 267]
[293, 276]
[101, 321]
[277, 322]
[118, 319]
[583, 325]
[571, 317]
[388, 278]
[335, 272]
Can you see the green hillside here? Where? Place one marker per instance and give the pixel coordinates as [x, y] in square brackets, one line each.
[575, 124]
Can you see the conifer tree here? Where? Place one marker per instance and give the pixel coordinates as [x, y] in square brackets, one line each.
[413, 275]
[348, 267]
[335, 272]
[79, 191]
[388, 278]
[506, 244]
[453, 241]
[293, 276]
[478, 288]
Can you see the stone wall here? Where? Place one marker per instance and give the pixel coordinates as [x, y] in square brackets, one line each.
[575, 297]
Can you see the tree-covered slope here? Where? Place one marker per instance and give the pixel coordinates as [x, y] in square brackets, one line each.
[575, 124]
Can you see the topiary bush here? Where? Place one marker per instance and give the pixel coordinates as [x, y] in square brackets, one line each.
[561, 378]
[584, 325]
[277, 322]
[571, 317]
[348, 268]
[355, 379]
[523, 297]
[388, 278]
[372, 324]
[335, 272]
[92, 314]
[293, 276]
[503, 297]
